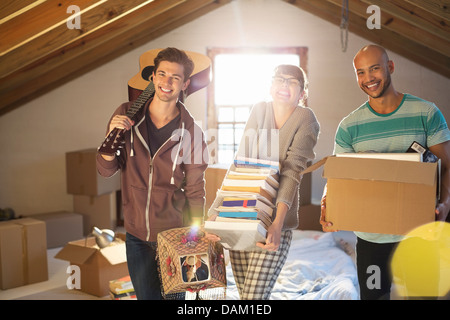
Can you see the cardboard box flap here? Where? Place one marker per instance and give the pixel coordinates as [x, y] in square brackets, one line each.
[380, 170]
[315, 166]
[115, 254]
[410, 156]
[75, 253]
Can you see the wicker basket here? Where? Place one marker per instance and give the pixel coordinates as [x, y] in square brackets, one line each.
[189, 262]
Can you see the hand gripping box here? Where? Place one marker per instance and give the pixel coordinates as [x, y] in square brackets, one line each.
[379, 195]
[189, 262]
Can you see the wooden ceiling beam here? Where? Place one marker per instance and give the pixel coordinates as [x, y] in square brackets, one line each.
[20, 28]
[390, 40]
[418, 17]
[106, 39]
[403, 27]
[60, 35]
[440, 8]
[11, 7]
[58, 70]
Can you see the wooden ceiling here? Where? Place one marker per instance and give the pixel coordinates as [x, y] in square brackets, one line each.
[38, 51]
[416, 29]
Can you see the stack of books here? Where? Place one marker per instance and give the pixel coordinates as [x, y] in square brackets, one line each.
[244, 204]
[122, 289]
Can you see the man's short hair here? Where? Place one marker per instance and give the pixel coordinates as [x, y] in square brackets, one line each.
[177, 56]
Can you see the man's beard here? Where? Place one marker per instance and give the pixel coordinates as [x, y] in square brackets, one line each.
[386, 85]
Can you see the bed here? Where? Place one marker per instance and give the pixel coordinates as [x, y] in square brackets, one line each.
[320, 266]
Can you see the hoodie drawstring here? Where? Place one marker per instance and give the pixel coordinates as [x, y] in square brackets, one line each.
[132, 144]
[172, 180]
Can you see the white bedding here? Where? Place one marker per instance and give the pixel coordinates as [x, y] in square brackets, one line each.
[316, 268]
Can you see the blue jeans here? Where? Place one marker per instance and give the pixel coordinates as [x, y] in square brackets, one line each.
[143, 269]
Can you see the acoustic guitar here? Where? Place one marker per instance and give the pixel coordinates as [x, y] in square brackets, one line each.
[141, 89]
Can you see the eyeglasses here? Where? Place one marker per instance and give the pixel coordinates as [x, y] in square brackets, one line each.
[289, 81]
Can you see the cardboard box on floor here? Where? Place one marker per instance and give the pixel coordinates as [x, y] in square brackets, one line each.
[23, 252]
[97, 266]
[97, 211]
[379, 195]
[83, 178]
[61, 226]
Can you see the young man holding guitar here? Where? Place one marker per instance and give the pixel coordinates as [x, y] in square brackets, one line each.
[162, 174]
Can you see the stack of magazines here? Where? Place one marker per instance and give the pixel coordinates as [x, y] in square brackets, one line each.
[122, 289]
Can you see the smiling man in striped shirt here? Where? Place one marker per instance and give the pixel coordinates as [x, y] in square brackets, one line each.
[389, 122]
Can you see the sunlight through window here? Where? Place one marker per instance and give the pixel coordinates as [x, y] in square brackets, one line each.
[241, 80]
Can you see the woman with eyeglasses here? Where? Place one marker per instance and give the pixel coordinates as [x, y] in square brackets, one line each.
[296, 127]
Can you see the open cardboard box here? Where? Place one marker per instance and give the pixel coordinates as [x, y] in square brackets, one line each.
[379, 195]
[97, 266]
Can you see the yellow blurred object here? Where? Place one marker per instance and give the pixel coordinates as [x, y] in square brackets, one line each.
[421, 262]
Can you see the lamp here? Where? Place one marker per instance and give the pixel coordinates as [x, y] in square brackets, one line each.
[103, 237]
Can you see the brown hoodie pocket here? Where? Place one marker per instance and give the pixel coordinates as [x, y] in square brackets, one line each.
[166, 208]
[134, 208]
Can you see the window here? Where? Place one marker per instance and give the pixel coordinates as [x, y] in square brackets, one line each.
[241, 78]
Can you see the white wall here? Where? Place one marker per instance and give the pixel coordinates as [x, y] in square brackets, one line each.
[36, 136]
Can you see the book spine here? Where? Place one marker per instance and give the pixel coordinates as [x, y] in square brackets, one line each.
[236, 219]
[259, 190]
[248, 164]
[239, 203]
[237, 214]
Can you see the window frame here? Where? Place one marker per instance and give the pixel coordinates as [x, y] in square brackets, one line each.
[212, 109]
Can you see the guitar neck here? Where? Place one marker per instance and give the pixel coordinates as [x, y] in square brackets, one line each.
[148, 92]
[114, 141]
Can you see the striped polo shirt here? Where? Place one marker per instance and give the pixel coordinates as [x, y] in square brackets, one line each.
[365, 130]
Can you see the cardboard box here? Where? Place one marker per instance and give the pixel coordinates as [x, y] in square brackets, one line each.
[379, 195]
[97, 266]
[23, 252]
[97, 211]
[214, 176]
[11, 261]
[82, 175]
[61, 226]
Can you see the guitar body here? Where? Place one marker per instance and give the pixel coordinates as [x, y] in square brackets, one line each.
[140, 89]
